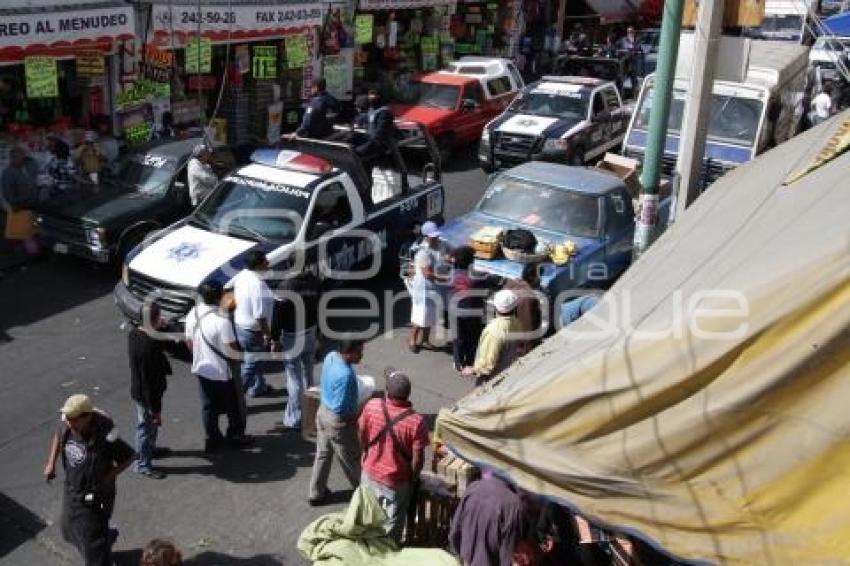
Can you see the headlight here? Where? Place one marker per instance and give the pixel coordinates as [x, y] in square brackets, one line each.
[125, 275]
[558, 144]
[96, 237]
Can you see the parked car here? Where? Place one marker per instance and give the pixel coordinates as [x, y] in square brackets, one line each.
[309, 207]
[147, 191]
[562, 119]
[557, 203]
[454, 106]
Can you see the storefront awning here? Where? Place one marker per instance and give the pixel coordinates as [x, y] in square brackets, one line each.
[42, 31]
[401, 4]
[174, 24]
[611, 11]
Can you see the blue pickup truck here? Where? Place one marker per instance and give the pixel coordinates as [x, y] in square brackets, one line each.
[556, 203]
[310, 207]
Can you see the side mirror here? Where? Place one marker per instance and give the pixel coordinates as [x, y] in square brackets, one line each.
[469, 105]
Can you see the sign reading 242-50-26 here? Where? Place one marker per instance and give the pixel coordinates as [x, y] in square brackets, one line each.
[188, 18]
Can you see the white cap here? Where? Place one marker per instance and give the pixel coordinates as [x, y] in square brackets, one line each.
[505, 301]
[430, 229]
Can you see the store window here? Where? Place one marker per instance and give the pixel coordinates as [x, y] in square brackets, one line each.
[499, 86]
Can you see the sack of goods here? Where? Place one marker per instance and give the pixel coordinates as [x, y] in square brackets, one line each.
[520, 240]
[486, 242]
[560, 254]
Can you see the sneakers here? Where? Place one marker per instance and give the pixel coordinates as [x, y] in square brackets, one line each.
[151, 474]
[319, 499]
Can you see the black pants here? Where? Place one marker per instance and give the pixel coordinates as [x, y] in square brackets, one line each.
[468, 330]
[87, 528]
[219, 397]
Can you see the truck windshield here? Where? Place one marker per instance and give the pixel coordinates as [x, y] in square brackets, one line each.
[438, 96]
[542, 206]
[733, 120]
[563, 107]
[144, 175]
[258, 209]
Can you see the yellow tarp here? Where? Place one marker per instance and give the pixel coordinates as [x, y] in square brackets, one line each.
[720, 436]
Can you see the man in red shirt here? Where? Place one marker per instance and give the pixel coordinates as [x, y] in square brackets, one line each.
[394, 437]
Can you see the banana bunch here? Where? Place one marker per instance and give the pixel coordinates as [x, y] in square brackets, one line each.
[561, 253]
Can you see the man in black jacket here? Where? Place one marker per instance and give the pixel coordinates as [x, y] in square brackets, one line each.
[316, 123]
[380, 132]
[148, 368]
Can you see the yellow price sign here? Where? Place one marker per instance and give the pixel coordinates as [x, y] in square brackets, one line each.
[198, 55]
[42, 77]
[363, 26]
[264, 64]
[296, 51]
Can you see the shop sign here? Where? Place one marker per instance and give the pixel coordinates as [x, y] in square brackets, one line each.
[400, 4]
[90, 64]
[45, 28]
[224, 19]
[363, 28]
[264, 65]
[42, 77]
[137, 124]
[275, 119]
[158, 57]
[198, 55]
[243, 58]
[296, 51]
[142, 91]
[201, 82]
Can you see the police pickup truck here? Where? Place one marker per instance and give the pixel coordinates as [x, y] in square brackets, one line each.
[570, 120]
[309, 207]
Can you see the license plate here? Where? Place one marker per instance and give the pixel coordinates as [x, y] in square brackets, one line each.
[60, 248]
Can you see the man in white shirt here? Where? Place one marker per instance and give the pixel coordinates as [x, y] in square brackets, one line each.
[822, 106]
[202, 179]
[253, 316]
[210, 337]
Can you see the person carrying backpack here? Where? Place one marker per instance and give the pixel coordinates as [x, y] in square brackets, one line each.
[394, 437]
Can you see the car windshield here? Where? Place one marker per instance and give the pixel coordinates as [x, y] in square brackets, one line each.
[542, 206]
[567, 105]
[242, 206]
[145, 174]
[438, 96]
[732, 120]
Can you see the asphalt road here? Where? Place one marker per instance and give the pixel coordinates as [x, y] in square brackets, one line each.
[60, 333]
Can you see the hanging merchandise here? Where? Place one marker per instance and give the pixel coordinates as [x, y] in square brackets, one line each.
[157, 64]
[198, 55]
[265, 62]
[332, 33]
[363, 24]
[275, 120]
[243, 59]
[296, 51]
[42, 77]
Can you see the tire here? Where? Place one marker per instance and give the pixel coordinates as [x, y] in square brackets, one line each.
[577, 157]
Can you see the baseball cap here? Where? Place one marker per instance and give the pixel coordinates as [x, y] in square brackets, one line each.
[430, 229]
[505, 301]
[77, 405]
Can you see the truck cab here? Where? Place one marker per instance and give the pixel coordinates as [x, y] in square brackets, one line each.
[570, 120]
[307, 206]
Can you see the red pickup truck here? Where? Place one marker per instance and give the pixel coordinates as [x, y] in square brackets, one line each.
[454, 108]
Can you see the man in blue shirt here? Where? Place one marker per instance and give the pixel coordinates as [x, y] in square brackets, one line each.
[336, 420]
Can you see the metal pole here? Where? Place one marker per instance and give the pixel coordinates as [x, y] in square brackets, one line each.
[689, 166]
[668, 49]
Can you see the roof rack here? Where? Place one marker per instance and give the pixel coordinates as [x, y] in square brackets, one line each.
[571, 79]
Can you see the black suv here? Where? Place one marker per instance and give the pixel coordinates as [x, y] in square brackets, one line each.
[147, 191]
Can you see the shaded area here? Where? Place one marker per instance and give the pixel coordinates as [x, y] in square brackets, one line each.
[17, 525]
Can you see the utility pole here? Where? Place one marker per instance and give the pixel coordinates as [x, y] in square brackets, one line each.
[668, 50]
[689, 165]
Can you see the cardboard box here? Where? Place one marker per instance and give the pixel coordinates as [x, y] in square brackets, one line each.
[736, 13]
[625, 168]
[309, 408]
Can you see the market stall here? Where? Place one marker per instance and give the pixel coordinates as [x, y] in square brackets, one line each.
[57, 69]
[250, 65]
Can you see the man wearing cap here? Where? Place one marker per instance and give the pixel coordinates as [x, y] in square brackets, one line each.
[202, 179]
[316, 123]
[394, 437]
[497, 346]
[423, 290]
[92, 455]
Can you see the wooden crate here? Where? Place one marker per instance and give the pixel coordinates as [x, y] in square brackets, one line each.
[429, 524]
[736, 13]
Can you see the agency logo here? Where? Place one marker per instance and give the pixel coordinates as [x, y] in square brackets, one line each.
[185, 251]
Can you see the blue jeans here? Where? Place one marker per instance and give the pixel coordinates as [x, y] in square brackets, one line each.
[298, 350]
[145, 438]
[253, 380]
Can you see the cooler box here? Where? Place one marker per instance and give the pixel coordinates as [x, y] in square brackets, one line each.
[309, 408]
